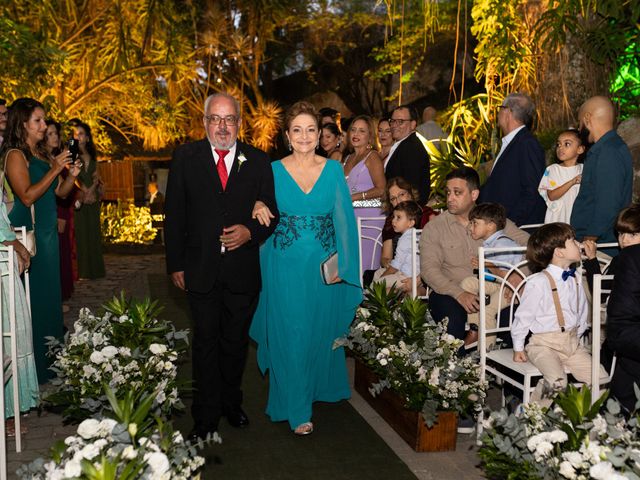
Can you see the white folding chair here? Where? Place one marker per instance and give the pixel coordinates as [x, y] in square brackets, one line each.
[7, 284]
[599, 313]
[27, 288]
[530, 226]
[369, 231]
[499, 362]
[415, 267]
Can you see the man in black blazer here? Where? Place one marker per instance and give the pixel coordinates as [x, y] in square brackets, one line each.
[408, 157]
[519, 166]
[212, 252]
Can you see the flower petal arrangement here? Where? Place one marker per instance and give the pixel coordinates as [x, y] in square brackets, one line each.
[127, 348]
[414, 356]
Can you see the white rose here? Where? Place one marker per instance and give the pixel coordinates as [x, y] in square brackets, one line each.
[602, 471]
[567, 471]
[88, 370]
[97, 357]
[129, 453]
[109, 351]
[88, 428]
[158, 462]
[383, 361]
[72, 469]
[599, 425]
[89, 452]
[106, 426]
[157, 349]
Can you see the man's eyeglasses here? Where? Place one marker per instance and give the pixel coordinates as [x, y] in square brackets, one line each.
[216, 119]
[398, 121]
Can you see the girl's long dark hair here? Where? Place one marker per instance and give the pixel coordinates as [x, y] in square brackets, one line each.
[15, 136]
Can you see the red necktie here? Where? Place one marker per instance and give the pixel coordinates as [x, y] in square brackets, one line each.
[222, 167]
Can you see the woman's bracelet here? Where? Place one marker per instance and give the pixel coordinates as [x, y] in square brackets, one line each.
[364, 195]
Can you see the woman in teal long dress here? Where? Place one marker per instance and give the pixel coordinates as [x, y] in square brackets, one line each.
[87, 214]
[298, 316]
[28, 392]
[35, 180]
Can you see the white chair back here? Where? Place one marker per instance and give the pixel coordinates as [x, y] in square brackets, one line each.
[415, 265]
[369, 231]
[7, 284]
[599, 313]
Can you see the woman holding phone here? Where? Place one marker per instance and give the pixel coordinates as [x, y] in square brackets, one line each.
[35, 179]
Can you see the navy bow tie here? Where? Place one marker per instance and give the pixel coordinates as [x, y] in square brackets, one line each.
[568, 273]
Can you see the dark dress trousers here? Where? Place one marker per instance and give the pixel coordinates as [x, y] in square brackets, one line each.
[623, 325]
[514, 181]
[222, 288]
[410, 161]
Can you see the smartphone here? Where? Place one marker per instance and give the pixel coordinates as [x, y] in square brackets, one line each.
[74, 148]
[487, 299]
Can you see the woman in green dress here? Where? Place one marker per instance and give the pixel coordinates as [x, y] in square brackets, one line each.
[34, 178]
[87, 214]
[28, 392]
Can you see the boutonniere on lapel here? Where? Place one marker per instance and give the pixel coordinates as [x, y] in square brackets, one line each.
[241, 160]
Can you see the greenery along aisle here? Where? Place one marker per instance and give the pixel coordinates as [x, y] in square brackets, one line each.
[414, 356]
[118, 373]
[571, 440]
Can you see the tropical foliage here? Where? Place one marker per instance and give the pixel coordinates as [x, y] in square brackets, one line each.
[125, 223]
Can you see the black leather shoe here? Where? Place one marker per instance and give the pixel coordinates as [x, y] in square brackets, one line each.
[237, 418]
[200, 433]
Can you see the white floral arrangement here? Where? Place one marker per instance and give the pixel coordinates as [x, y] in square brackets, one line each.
[414, 355]
[572, 440]
[126, 349]
[110, 449]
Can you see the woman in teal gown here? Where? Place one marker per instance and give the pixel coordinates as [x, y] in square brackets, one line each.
[28, 392]
[298, 316]
[35, 180]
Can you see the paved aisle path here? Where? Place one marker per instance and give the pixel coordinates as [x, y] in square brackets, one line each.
[129, 272]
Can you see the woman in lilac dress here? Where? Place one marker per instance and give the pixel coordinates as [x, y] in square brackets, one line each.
[365, 176]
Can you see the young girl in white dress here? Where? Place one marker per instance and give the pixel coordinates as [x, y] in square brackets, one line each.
[560, 183]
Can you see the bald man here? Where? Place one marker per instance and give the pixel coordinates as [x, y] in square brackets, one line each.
[607, 177]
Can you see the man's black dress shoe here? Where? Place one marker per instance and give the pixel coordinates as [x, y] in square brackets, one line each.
[236, 417]
[200, 433]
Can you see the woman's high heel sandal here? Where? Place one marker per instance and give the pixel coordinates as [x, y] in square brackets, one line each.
[304, 429]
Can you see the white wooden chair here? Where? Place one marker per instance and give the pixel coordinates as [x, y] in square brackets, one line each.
[369, 231]
[499, 362]
[9, 370]
[599, 313]
[530, 227]
[25, 274]
[415, 265]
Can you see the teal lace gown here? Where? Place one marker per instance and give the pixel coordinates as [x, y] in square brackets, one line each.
[28, 393]
[44, 273]
[298, 316]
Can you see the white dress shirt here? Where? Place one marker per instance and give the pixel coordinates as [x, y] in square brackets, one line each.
[228, 160]
[506, 140]
[537, 312]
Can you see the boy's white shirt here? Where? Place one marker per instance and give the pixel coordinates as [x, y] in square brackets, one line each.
[402, 259]
[537, 312]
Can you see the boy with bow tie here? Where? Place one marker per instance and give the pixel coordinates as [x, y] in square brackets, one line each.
[554, 309]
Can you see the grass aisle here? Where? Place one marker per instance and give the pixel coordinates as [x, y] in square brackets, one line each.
[342, 447]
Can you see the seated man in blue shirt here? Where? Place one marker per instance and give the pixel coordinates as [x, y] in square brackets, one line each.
[487, 222]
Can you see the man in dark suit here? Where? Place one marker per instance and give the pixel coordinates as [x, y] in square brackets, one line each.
[519, 165]
[408, 157]
[212, 252]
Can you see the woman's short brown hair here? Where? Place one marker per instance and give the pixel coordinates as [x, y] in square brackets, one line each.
[301, 108]
[628, 220]
[402, 184]
[544, 241]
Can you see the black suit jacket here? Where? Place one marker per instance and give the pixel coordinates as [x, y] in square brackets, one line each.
[623, 325]
[514, 181]
[411, 162]
[197, 208]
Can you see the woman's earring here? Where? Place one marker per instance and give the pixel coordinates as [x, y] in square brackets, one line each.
[290, 147]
